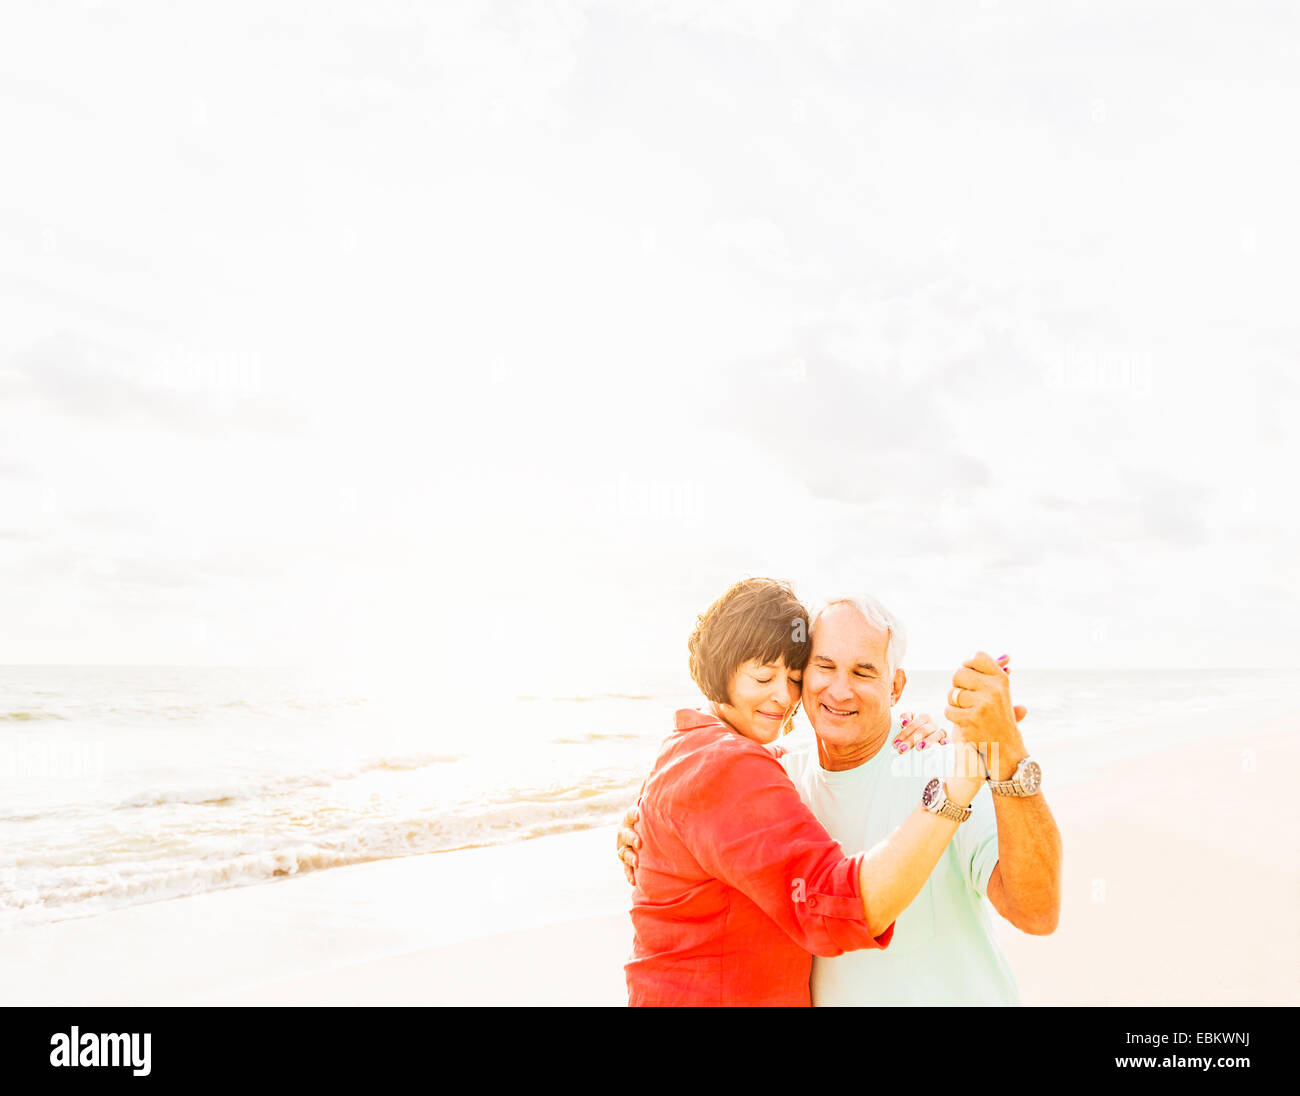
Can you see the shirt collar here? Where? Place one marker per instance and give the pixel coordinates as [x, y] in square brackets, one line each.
[691, 719]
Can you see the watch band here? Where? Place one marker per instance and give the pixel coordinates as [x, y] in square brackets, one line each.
[952, 812]
[947, 809]
[1015, 786]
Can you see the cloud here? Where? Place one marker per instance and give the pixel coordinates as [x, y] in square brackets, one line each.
[760, 19]
[563, 301]
[201, 393]
[864, 403]
[1155, 508]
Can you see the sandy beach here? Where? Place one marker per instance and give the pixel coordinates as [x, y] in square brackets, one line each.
[1181, 882]
[1181, 885]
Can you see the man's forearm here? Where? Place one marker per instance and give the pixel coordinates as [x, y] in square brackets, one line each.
[1025, 887]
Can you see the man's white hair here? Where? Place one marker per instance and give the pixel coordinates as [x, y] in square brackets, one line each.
[877, 616]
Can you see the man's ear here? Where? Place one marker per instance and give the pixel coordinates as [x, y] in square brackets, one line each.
[900, 680]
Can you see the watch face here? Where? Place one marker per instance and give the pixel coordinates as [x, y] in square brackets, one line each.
[931, 796]
[1031, 776]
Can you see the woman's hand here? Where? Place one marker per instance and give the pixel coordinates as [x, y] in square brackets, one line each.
[918, 732]
[628, 843]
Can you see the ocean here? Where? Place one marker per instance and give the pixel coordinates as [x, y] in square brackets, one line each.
[122, 785]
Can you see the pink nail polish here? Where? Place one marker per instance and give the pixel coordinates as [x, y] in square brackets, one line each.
[920, 745]
[903, 748]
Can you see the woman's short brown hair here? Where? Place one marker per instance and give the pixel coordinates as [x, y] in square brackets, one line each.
[757, 618]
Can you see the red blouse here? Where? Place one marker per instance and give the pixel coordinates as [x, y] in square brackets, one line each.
[737, 883]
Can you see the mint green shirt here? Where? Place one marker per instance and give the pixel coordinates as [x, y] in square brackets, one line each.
[943, 951]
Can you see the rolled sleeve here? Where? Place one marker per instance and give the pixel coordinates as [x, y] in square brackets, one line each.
[977, 844]
[749, 828]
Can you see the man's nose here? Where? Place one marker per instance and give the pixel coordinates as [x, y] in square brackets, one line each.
[839, 688]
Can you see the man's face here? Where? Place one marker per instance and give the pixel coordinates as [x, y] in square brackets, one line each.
[847, 687]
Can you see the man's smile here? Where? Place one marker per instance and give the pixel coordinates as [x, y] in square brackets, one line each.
[842, 713]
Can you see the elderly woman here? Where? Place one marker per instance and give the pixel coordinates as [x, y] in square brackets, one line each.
[738, 885]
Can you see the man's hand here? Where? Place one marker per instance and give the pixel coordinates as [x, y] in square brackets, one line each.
[983, 716]
[1025, 886]
[628, 843]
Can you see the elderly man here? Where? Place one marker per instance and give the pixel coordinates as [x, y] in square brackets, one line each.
[1008, 849]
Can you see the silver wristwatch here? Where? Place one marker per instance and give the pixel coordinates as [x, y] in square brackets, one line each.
[1026, 780]
[936, 801]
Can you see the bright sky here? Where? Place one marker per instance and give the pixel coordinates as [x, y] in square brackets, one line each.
[501, 337]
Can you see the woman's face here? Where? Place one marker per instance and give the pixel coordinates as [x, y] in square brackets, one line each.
[762, 698]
